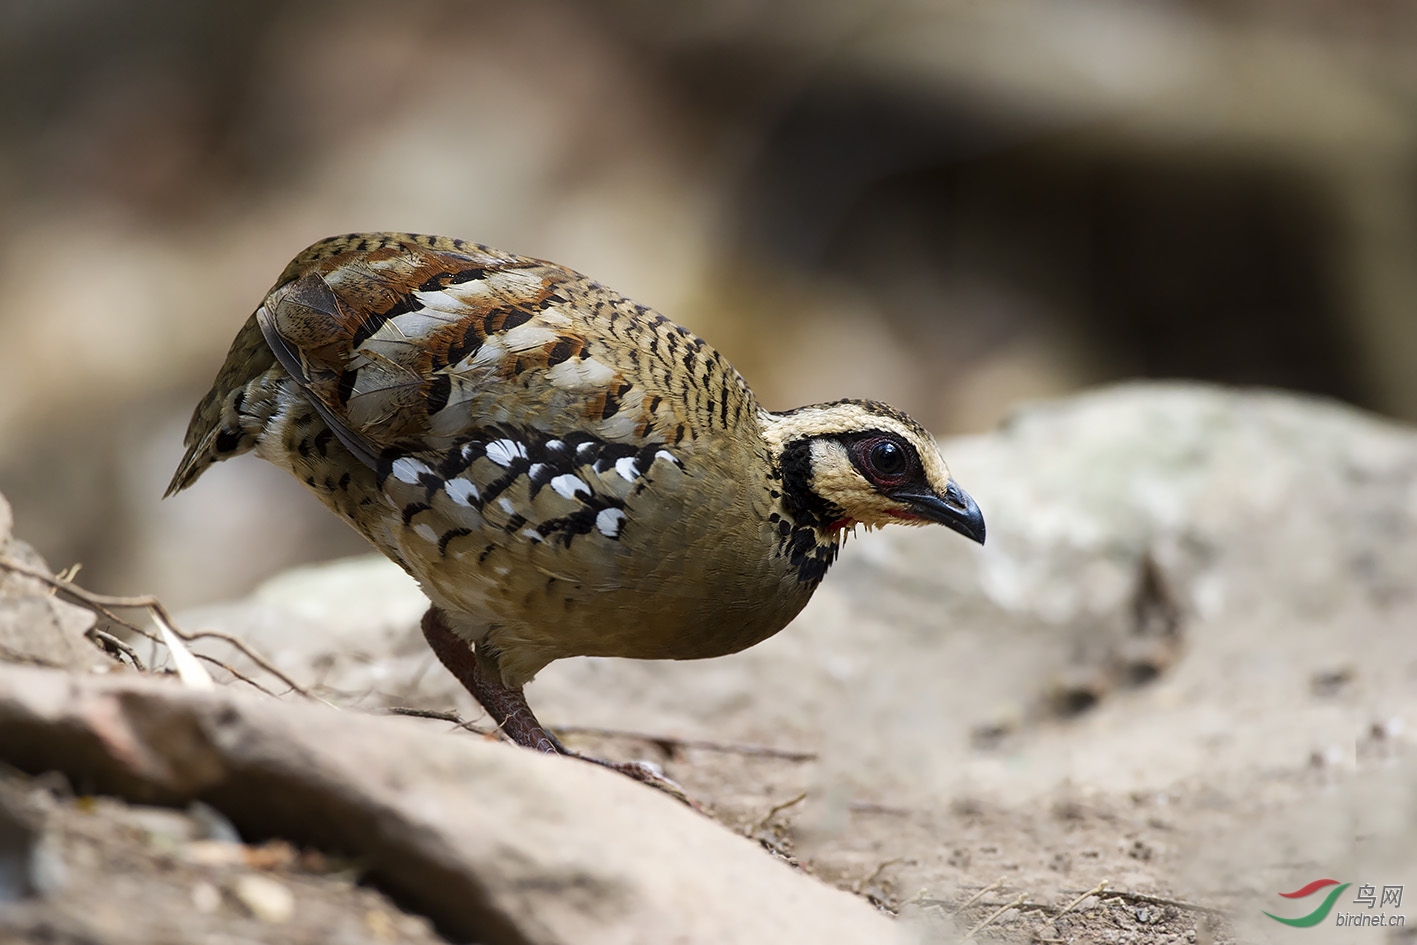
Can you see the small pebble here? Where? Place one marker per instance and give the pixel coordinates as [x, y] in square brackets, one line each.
[265, 898]
[1386, 729]
[48, 871]
[214, 853]
[212, 823]
[1327, 683]
[206, 898]
[1329, 757]
[380, 926]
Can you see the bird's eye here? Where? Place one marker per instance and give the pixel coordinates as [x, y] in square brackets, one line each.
[887, 459]
[884, 459]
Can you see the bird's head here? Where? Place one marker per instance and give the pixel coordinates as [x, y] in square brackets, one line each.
[859, 462]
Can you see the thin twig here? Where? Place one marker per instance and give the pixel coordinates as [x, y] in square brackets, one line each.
[155, 639]
[103, 604]
[875, 874]
[116, 647]
[247, 679]
[872, 807]
[235, 674]
[159, 612]
[761, 751]
[777, 809]
[265, 664]
[1018, 901]
[439, 715]
[996, 884]
[1074, 904]
[436, 714]
[1163, 901]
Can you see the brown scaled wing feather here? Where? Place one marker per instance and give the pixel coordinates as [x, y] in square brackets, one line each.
[411, 348]
[389, 335]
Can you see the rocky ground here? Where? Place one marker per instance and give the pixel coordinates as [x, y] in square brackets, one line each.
[1174, 684]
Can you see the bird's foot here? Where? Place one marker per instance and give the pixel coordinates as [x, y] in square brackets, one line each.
[645, 774]
[509, 710]
[507, 707]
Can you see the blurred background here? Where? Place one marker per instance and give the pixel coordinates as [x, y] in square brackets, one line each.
[955, 206]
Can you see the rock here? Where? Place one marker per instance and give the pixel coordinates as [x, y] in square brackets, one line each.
[19, 843]
[30, 867]
[352, 622]
[267, 899]
[492, 842]
[101, 880]
[35, 626]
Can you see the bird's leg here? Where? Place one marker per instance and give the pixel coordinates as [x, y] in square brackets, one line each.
[507, 707]
[509, 710]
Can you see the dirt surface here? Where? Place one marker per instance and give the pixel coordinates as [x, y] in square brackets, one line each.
[116, 872]
[1184, 668]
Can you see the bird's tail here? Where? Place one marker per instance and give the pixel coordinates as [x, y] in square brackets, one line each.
[229, 418]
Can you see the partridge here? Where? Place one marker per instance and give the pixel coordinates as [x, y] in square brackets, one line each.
[563, 471]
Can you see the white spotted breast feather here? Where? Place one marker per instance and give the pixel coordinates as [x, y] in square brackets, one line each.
[522, 488]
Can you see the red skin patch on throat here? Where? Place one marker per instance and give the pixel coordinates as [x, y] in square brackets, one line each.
[844, 523]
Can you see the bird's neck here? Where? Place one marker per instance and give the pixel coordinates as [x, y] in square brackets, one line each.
[806, 527]
[788, 438]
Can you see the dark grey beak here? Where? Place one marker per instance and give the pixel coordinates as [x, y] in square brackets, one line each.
[955, 509]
